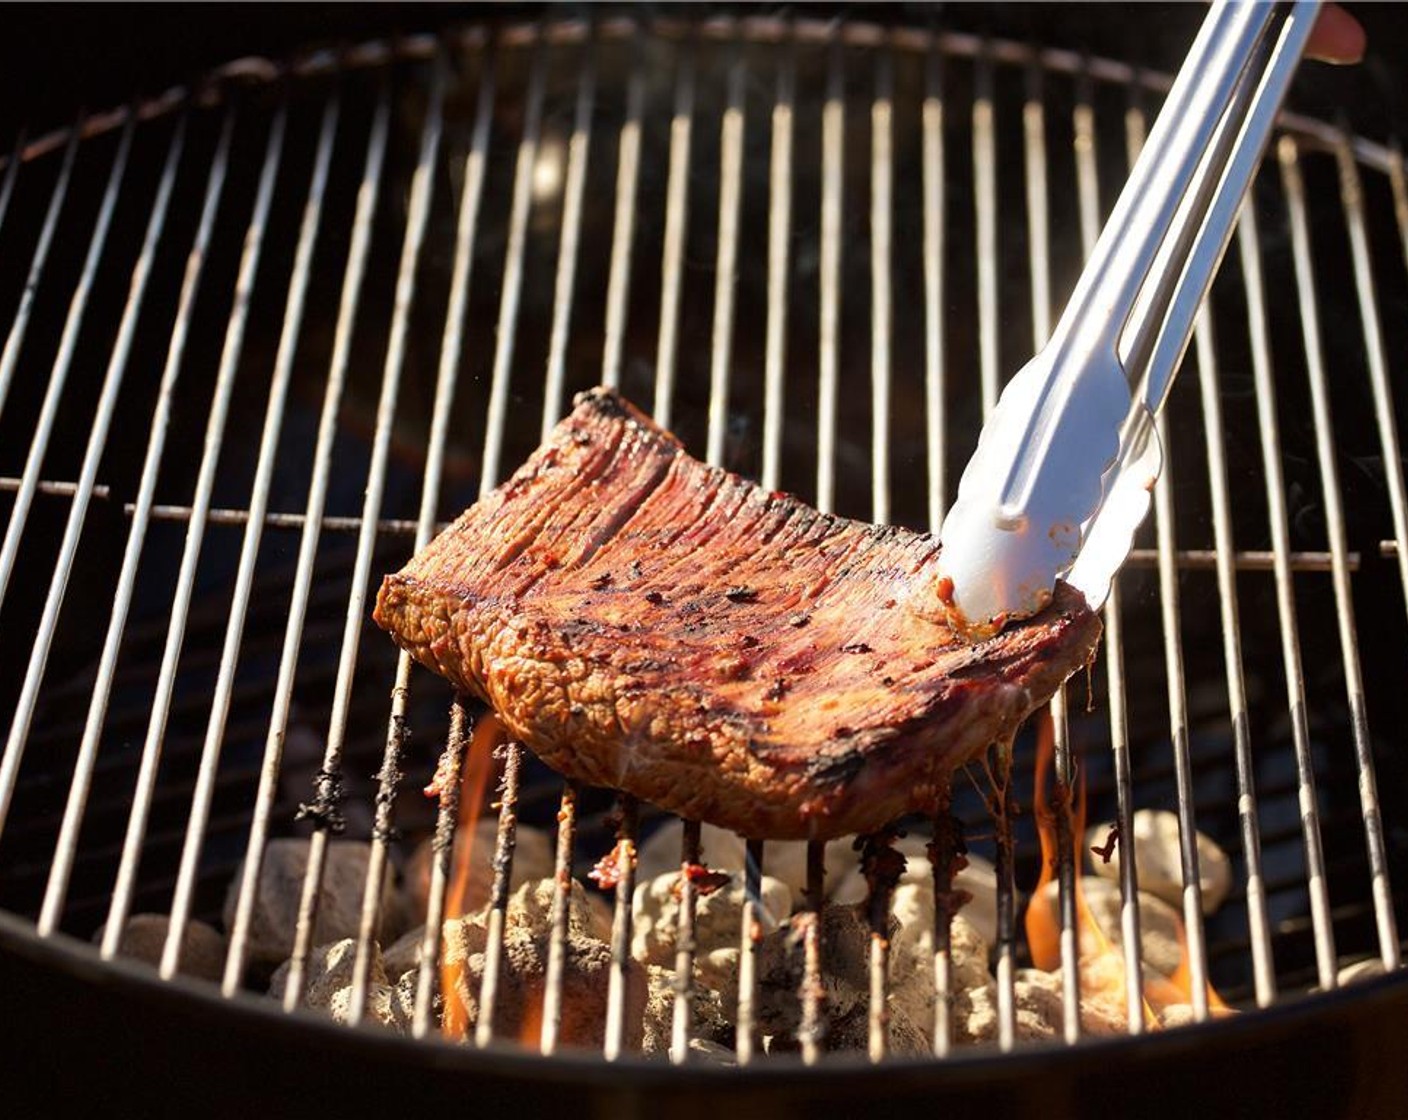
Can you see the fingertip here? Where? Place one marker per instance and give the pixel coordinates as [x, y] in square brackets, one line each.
[1337, 38]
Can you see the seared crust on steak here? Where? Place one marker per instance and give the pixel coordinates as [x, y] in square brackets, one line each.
[649, 623]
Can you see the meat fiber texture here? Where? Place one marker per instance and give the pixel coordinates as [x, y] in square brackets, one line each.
[649, 623]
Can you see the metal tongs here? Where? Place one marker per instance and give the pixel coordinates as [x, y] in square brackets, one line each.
[1062, 474]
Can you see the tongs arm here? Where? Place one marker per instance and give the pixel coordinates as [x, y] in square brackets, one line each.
[1205, 222]
[1039, 476]
[1161, 327]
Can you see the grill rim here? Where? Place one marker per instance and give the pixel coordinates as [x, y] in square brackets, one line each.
[775, 30]
[77, 959]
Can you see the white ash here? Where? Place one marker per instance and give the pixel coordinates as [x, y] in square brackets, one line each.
[1181, 1015]
[403, 1002]
[913, 945]
[531, 907]
[845, 942]
[1176, 1015]
[1103, 1009]
[527, 927]
[1160, 925]
[712, 1029]
[522, 981]
[328, 987]
[1360, 971]
[718, 922]
[845, 959]
[846, 937]
[911, 971]
[1158, 859]
[275, 914]
[904, 1037]
[532, 860]
[978, 879]
[1039, 1010]
[784, 860]
[203, 947]
[717, 968]
[912, 986]
[711, 1053]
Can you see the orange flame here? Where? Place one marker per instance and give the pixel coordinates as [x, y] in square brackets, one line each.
[1043, 922]
[1102, 966]
[1182, 979]
[530, 1032]
[1043, 925]
[474, 779]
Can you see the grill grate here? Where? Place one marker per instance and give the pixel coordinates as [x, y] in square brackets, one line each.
[333, 237]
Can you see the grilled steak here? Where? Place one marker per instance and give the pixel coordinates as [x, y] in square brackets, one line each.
[643, 621]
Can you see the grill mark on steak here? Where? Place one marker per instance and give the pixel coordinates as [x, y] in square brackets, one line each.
[644, 621]
[604, 534]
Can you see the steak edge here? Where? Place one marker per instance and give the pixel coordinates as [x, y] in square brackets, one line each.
[646, 622]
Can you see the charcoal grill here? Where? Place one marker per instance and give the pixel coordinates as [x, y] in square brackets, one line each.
[814, 248]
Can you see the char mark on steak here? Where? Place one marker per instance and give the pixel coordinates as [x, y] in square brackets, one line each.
[630, 612]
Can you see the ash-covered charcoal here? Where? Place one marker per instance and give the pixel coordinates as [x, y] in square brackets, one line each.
[1039, 1010]
[906, 1036]
[530, 907]
[339, 911]
[403, 1001]
[845, 952]
[718, 923]
[1159, 860]
[527, 927]
[783, 860]
[532, 859]
[648, 687]
[522, 981]
[1102, 1009]
[1359, 971]
[977, 880]
[403, 954]
[1176, 1015]
[329, 984]
[911, 971]
[712, 1026]
[1160, 925]
[143, 938]
[912, 958]
[1181, 1015]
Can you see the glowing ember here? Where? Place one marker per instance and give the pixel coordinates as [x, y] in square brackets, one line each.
[530, 1034]
[609, 869]
[478, 762]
